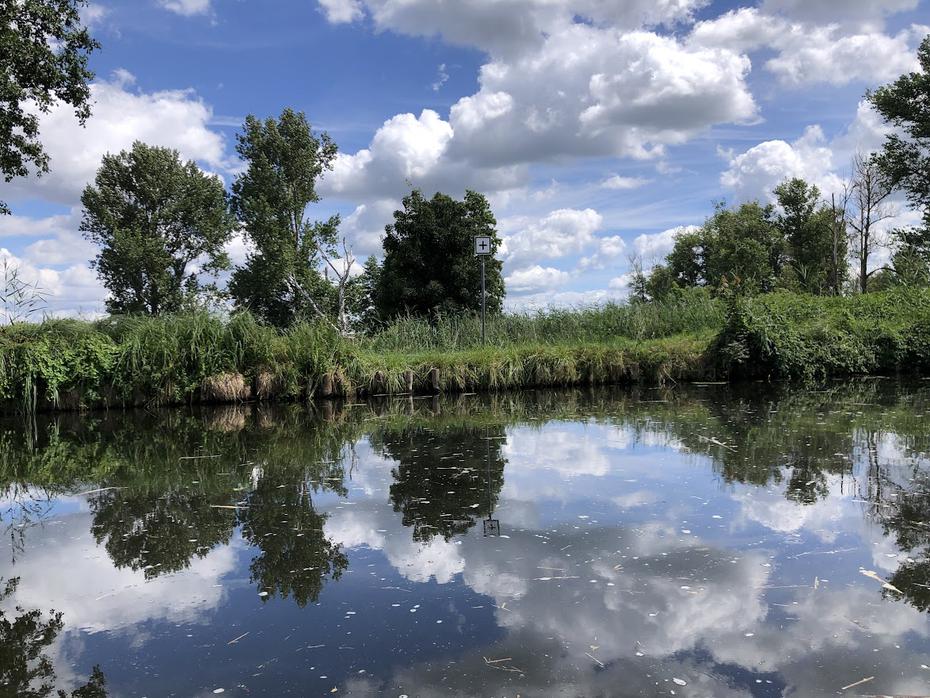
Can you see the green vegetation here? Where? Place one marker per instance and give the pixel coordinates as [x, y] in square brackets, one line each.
[199, 357]
[429, 264]
[152, 216]
[44, 47]
[280, 281]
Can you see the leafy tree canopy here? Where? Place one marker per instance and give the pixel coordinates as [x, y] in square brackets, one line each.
[429, 262]
[905, 104]
[43, 59]
[281, 281]
[153, 216]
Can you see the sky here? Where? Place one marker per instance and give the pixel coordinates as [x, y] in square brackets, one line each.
[598, 129]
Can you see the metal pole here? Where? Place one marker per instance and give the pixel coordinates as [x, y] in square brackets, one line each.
[482, 301]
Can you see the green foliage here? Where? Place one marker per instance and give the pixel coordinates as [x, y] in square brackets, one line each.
[688, 312]
[152, 216]
[280, 282]
[67, 364]
[905, 105]
[808, 228]
[799, 337]
[44, 49]
[740, 249]
[429, 261]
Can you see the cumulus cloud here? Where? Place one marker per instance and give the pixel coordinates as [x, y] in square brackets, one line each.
[590, 91]
[754, 173]
[509, 26]
[560, 233]
[536, 278]
[652, 246]
[585, 90]
[808, 54]
[608, 249]
[173, 118]
[73, 290]
[821, 55]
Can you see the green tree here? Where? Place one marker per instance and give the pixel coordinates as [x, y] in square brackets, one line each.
[43, 60]
[429, 262]
[661, 283]
[160, 223]
[281, 281]
[741, 248]
[808, 227]
[362, 294]
[744, 248]
[905, 157]
[905, 104]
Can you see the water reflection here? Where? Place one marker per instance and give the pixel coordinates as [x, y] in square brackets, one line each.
[26, 670]
[707, 541]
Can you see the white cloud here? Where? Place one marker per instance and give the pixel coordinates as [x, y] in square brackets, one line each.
[560, 233]
[589, 91]
[536, 278]
[364, 227]
[341, 11]
[869, 12]
[808, 54]
[93, 14]
[741, 30]
[74, 290]
[622, 183]
[818, 55]
[608, 249]
[620, 283]
[442, 77]
[507, 26]
[186, 8]
[172, 118]
[756, 172]
[654, 246]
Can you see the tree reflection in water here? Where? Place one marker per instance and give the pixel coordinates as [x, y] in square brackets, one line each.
[26, 671]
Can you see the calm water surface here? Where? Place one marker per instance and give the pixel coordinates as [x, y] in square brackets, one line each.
[705, 541]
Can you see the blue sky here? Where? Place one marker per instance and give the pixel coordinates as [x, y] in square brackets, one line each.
[598, 129]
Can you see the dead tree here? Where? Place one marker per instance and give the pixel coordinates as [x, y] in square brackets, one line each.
[867, 193]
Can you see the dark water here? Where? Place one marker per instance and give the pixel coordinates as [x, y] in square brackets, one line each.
[707, 541]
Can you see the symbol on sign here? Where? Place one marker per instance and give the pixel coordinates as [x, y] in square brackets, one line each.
[482, 245]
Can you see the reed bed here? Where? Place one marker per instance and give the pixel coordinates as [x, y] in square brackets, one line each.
[203, 357]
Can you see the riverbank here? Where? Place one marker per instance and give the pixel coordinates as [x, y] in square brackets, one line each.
[202, 358]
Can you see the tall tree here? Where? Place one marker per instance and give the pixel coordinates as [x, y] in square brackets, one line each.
[905, 104]
[866, 194]
[429, 262]
[43, 59]
[808, 227]
[281, 280]
[153, 216]
[905, 157]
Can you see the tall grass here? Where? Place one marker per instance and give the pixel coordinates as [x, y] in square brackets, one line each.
[693, 312]
[189, 358]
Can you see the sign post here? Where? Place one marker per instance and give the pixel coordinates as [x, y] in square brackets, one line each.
[482, 250]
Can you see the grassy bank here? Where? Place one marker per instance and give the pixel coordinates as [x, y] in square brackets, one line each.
[68, 364]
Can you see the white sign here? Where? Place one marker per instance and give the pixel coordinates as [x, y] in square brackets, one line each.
[482, 245]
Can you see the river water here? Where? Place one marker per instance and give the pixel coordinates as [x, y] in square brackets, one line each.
[702, 541]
